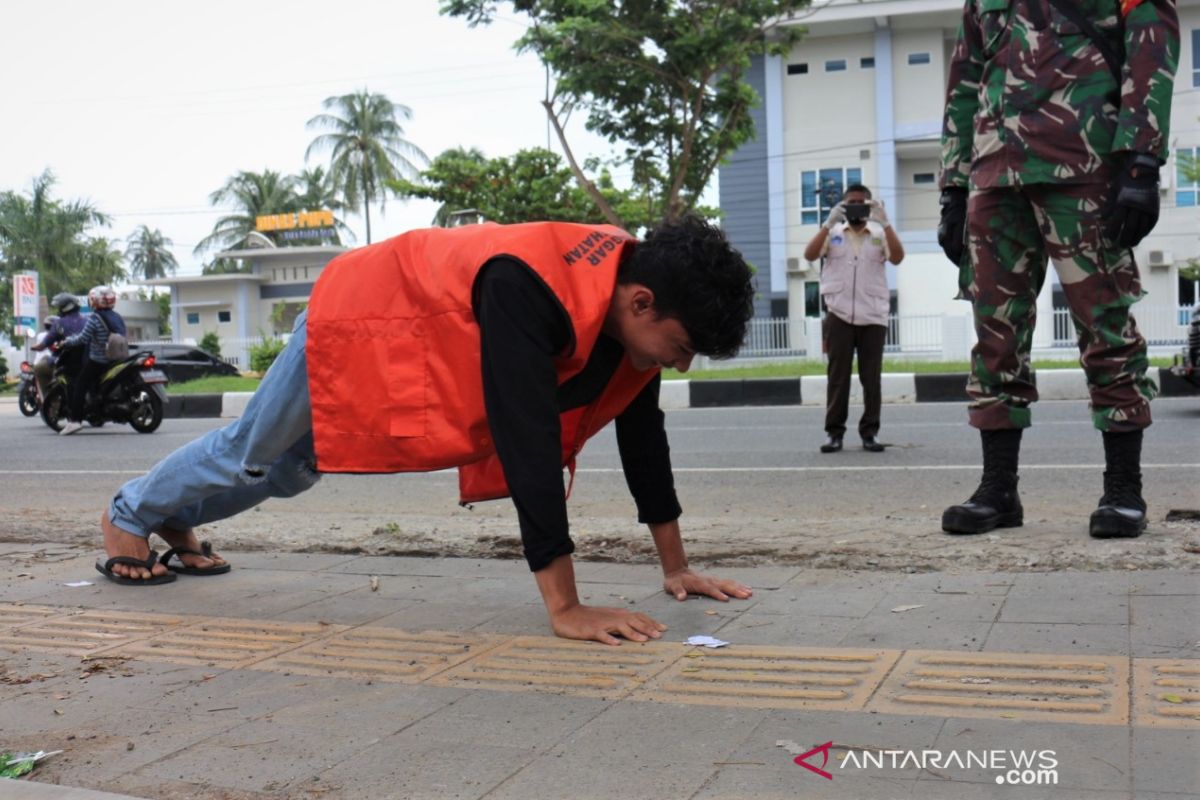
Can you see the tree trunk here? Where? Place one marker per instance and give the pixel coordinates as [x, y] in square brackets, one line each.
[367, 208]
[587, 185]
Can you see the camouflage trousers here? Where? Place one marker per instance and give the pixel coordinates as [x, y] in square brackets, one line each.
[1012, 232]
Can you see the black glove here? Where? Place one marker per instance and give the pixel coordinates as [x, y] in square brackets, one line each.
[952, 228]
[1133, 211]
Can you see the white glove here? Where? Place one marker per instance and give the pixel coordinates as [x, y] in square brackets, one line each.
[836, 214]
[878, 214]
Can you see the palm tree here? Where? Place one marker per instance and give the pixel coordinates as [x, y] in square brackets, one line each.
[316, 192]
[367, 147]
[252, 194]
[148, 254]
[40, 233]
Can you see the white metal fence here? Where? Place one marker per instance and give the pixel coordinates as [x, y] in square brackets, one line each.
[929, 334]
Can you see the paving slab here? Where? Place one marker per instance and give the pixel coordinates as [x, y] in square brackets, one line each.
[300, 681]
[1062, 637]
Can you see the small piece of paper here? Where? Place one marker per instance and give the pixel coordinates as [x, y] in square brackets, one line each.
[77, 584]
[898, 609]
[706, 641]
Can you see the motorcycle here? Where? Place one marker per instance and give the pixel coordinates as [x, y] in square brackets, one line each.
[132, 391]
[27, 396]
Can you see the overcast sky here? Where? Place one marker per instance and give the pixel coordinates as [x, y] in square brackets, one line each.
[145, 108]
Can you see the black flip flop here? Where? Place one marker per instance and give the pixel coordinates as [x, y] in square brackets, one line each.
[184, 569]
[105, 569]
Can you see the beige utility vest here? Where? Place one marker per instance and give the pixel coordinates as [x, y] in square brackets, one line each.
[854, 281]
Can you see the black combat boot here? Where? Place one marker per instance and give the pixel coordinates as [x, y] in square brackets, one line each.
[1122, 511]
[995, 503]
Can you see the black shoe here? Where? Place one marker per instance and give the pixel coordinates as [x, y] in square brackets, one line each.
[832, 445]
[1122, 511]
[995, 504]
[872, 444]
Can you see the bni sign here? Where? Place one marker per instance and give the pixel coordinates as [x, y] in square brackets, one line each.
[25, 303]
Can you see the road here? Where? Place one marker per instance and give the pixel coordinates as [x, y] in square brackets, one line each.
[753, 486]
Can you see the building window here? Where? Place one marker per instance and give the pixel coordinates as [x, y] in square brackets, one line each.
[1187, 190]
[797, 69]
[918, 58]
[821, 190]
[1189, 295]
[812, 299]
[868, 62]
[922, 178]
[836, 65]
[193, 318]
[224, 316]
[1196, 57]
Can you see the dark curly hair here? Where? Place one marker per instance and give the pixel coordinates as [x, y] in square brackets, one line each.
[697, 278]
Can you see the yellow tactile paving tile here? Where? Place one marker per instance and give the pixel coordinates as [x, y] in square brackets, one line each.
[545, 664]
[1087, 689]
[14, 615]
[1166, 693]
[382, 653]
[772, 677]
[230, 643]
[87, 632]
[1050, 688]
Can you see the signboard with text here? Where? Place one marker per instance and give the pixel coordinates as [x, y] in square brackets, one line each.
[25, 303]
[297, 225]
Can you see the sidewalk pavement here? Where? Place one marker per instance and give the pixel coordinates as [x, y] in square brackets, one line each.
[344, 676]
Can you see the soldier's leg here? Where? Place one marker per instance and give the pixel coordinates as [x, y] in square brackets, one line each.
[1008, 266]
[1101, 283]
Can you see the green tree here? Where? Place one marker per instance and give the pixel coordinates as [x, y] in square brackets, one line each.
[164, 313]
[149, 254]
[210, 342]
[530, 185]
[43, 234]
[365, 139]
[665, 79]
[225, 266]
[249, 195]
[316, 192]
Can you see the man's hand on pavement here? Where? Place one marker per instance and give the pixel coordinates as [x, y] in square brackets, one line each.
[599, 624]
[683, 582]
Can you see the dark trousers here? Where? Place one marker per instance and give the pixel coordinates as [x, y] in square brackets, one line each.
[843, 340]
[87, 379]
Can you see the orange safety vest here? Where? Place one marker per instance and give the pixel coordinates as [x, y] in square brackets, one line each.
[394, 369]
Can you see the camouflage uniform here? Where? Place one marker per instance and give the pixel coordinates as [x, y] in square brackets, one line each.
[1035, 128]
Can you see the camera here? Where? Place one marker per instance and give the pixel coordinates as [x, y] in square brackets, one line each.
[857, 212]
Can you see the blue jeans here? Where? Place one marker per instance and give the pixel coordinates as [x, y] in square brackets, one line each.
[267, 452]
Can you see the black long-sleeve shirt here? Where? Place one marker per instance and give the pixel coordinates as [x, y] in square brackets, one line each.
[523, 328]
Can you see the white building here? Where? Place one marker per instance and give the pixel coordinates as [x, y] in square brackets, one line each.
[860, 99]
[244, 307]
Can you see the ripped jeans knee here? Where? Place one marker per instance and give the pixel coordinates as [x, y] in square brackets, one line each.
[288, 477]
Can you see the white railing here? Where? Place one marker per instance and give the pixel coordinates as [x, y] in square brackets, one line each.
[922, 334]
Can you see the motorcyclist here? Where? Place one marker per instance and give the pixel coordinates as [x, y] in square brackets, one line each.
[68, 323]
[100, 325]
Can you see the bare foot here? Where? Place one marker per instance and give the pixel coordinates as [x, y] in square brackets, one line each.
[187, 540]
[119, 542]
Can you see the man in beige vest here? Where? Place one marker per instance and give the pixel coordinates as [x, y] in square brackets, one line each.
[854, 242]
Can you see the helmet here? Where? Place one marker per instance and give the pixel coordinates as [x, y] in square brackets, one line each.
[102, 297]
[48, 322]
[65, 302]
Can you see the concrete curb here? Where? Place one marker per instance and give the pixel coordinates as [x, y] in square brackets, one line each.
[809, 390]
